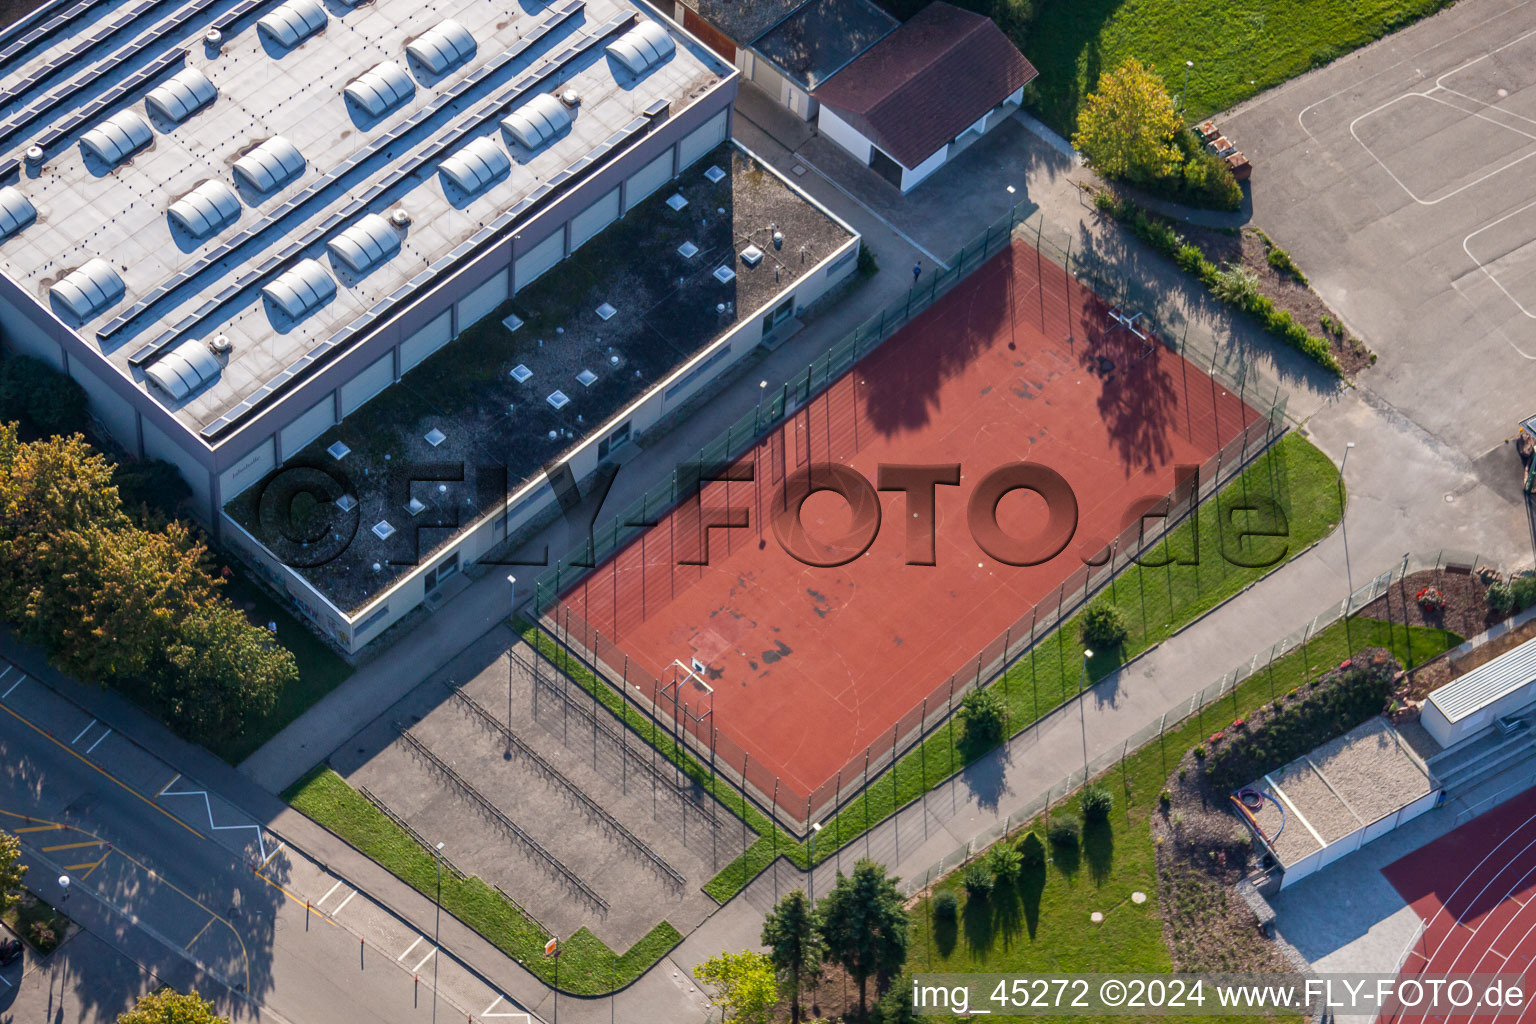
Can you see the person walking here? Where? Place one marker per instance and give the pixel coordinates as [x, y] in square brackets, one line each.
[917, 272]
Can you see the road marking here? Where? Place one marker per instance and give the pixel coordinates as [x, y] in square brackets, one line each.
[51, 826]
[81, 867]
[18, 682]
[168, 785]
[103, 736]
[199, 933]
[261, 841]
[7, 984]
[328, 893]
[104, 773]
[408, 949]
[505, 1013]
[82, 732]
[430, 953]
[344, 903]
[71, 846]
[98, 864]
[272, 854]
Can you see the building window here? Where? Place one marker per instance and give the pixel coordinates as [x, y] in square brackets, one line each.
[438, 573]
[371, 621]
[614, 441]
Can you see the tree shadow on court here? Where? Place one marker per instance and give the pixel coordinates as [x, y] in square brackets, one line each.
[900, 384]
[1099, 850]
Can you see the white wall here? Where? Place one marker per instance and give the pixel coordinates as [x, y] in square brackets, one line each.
[310, 424]
[533, 263]
[843, 133]
[261, 461]
[427, 340]
[22, 335]
[379, 375]
[648, 179]
[483, 300]
[120, 418]
[158, 446]
[701, 140]
[594, 218]
[911, 176]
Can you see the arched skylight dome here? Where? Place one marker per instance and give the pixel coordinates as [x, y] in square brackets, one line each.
[208, 209]
[537, 121]
[381, 88]
[642, 47]
[293, 22]
[118, 137]
[365, 244]
[89, 290]
[270, 165]
[302, 290]
[476, 166]
[182, 95]
[16, 212]
[184, 369]
[442, 47]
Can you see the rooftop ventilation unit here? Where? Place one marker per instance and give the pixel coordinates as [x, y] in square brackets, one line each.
[16, 212]
[642, 47]
[220, 345]
[475, 167]
[302, 290]
[570, 98]
[293, 22]
[90, 289]
[366, 244]
[751, 255]
[442, 47]
[184, 369]
[270, 165]
[208, 209]
[118, 137]
[381, 88]
[537, 121]
[183, 94]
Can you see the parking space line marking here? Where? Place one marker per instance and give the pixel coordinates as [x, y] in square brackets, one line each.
[93, 867]
[103, 736]
[71, 846]
[7, 984]
[100, 770]
[82, 732]
[168, 785]
[272, 854]
[505, 1013]
[19, 679]
[199, 933]
[309, 907]
[430, 953]
[328, 892]
[412, 946]
[343, 903]
[51, 826]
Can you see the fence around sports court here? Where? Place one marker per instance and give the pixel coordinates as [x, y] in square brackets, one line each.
[607, 658]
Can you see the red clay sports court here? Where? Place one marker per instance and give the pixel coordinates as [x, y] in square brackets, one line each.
[1019, 362]
[1472, 888]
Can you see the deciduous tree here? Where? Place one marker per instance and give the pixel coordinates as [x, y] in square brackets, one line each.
[744, 984]
[1126, 128]
[167, 1006]
[11, 869]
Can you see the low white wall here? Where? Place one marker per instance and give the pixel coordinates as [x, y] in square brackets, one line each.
[1348, 844]
[843, 133]
[1448, 733]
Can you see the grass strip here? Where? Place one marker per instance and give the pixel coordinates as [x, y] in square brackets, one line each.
[587, 966]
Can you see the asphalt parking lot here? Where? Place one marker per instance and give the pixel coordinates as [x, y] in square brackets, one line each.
[1401, 179]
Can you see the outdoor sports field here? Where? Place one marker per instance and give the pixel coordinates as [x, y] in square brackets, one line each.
[811, 665]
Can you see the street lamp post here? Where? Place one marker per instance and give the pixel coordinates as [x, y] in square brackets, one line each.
[814, 829]
[1082, 710]
[437, 931]
[1349, 577]
[64, 885]
[512, 607]
[1184, 96]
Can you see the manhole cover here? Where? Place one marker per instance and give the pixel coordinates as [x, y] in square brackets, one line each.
[1096, 917]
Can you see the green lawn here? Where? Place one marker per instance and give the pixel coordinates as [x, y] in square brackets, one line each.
[1239, 47]
[1043, 923]
[321, 669]
[587, 966]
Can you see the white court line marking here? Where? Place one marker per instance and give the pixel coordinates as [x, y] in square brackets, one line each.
[1466, 246]
[430, 953]
[328, 892]
[103, 736]
[1454, 192]
[412, 946]
[82, 732]
[342, 905]
[261, 840]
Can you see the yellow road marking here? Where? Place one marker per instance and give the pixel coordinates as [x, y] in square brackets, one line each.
[301, 902]
[71, 846]
[30, 817]
[274, 853]
[82, 867]
[101, 771]
[93, 867]
[199, 933]
[175, 779]
[38, 828]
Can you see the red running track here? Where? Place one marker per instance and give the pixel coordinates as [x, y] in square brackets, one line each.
[1472, 888]
[810, 666]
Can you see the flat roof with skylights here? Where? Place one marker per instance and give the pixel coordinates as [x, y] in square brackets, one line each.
[217, 197]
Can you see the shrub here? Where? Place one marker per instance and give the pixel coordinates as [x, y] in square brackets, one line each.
[1282, 262]
[1165, 798]
[1208, 182]
[1063, 833]
[984, 716]
[42, 936]
[1004, 861]
[1103, 627]
[945, 905]
[867, 265]
[978, 881]
[1523, 587]
[1430, 600]
[1199, 751]
[1096, 803]
[1031, 851]
[1240, 286]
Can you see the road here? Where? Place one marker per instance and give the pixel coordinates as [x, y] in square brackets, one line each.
[182, 884]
